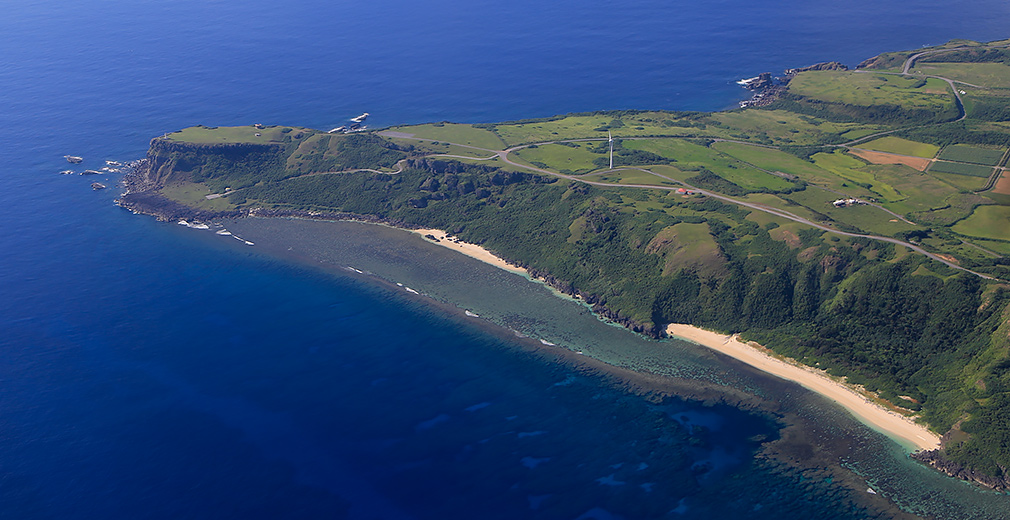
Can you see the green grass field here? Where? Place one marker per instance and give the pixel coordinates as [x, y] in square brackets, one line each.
[871, 89]
[196, 195]
[986, 222]
[989, 75]
[632, 177]
[919, 192]
[696, 156]
[775, 160]
[891, 144]
[854, 170]
[971, 154]
[454, 133]
[237, 134]
[961, 182]
[571, 159]
[973, 170]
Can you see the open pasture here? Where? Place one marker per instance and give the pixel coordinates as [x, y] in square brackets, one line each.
[989, 75]
[972, 154]
[632, 176]
[897, 145]
[867, 89]
[973, 170]
[725, 166]
[854, 170]
[237, 134]
[452, 133]
[986, 222]
[573, 158]
[961, 182]
[920, 192]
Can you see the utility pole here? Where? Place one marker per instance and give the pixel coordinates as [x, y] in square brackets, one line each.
[611, 139]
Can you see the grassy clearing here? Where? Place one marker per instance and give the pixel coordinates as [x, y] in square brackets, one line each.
[237, 134]
[859, 133]
[777, 161]
[992, 245]
[855, 171]
[687, 246]
[195, 195]
[986, 222]
[632, 177]
[919, 192]
[971, 154]
[765, 126]
[780, 127]
[973, 170]
[891, 144]
[694, 156]
[990, 75]
[961, 182]
[792, 205]
[855, 88]
[575, 158]
[454, 133]
[869, 219]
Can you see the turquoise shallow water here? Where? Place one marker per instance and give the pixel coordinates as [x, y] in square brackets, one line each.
[151, 371]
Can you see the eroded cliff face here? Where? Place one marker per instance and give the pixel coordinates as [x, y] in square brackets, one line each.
[170, 161]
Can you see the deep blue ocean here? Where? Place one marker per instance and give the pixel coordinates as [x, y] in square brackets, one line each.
[151, 371]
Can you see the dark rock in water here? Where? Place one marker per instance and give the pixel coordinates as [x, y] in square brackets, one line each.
[67, 172]
[91, 172]
[73, 159]
[97, 186]
[763, 80]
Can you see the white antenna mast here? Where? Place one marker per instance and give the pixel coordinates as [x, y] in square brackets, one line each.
[611, 139]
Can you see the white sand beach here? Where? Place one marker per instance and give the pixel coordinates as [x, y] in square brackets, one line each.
[471, 250]
[891, 423]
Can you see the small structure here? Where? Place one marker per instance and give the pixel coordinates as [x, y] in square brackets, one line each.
[842, 203]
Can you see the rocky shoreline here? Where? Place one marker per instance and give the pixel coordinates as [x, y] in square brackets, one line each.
[768, 89]
[937, 460]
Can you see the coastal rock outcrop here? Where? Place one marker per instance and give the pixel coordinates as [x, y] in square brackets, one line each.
[937, 460]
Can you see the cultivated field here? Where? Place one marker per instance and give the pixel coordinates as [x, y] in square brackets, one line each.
[971, 154]
[891, 144]
[917, 163]
[973, 170]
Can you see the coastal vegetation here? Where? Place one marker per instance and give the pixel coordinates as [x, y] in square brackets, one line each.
[859, 223]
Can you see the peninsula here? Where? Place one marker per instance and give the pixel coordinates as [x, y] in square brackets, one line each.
[857, 221]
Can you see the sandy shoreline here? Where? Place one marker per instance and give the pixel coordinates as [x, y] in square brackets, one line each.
[891, 423]
[471, 250]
